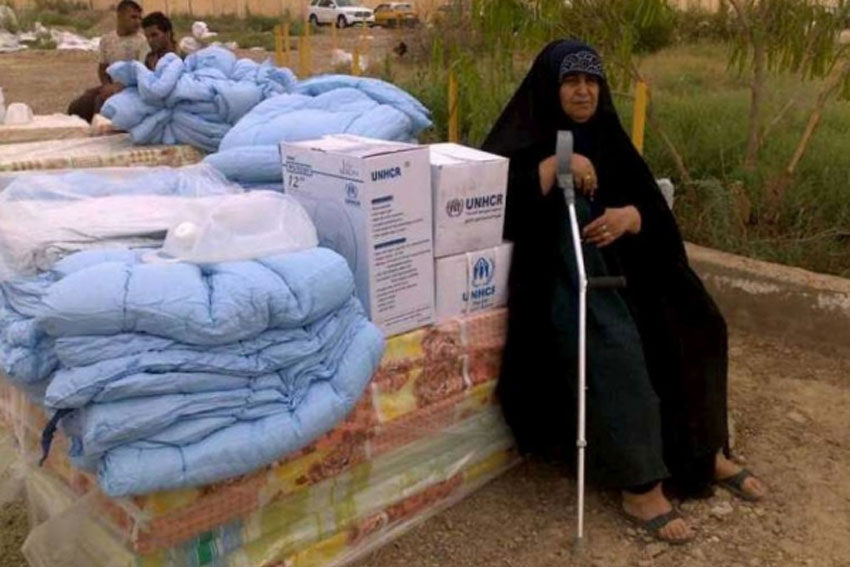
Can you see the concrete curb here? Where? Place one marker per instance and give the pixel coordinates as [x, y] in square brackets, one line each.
[780, 300]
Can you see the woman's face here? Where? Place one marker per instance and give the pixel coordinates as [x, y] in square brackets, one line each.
[579, 96]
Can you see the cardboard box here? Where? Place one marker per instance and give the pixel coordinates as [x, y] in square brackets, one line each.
[472, 281]
[371, 202]
[469, 189]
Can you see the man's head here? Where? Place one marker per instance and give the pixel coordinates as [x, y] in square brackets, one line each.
[158, 31]
[129, 15]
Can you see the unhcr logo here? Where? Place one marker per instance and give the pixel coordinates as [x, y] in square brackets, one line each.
[388, 173]
[494, 200]
[482, 272]
[454, 208]
[351, 194]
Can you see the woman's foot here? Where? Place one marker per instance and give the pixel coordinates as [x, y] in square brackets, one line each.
[644, 508]
[749, 488]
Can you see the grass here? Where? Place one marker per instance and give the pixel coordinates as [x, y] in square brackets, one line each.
[76, 17]
[251, 31]
[704, 108]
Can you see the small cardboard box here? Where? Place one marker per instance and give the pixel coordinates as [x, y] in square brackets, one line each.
[371, 202]
[469, 189]
[472, 281]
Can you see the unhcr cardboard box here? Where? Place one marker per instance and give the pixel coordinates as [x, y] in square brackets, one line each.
[472, 282]
[371, 202]
[469, 198]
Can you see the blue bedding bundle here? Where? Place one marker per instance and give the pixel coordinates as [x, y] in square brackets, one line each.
[243, 110]
[170, 375]
[328, 104]
[193, 102]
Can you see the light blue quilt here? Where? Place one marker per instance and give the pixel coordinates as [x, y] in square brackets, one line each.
[328, 104]
[179, 375]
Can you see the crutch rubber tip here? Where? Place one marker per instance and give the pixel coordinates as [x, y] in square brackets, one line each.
[579, 544]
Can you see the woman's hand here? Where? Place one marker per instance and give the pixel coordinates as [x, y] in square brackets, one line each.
[584, 174]
[548, 170]
[612, 224]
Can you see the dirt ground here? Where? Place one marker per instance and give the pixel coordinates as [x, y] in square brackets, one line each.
[789, 406]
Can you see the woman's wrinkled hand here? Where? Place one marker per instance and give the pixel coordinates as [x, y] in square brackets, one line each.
[584, 174]
[612, 224]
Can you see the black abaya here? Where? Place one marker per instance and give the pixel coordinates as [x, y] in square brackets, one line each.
[662, 339]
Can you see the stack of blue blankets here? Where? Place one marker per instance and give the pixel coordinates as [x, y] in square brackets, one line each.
[170, 375]
[244, 110]
[329, 104]
[193, 102]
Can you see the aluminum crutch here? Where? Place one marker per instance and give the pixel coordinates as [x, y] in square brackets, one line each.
[564, 152]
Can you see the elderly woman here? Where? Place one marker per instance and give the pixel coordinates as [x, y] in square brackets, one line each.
[657, 351]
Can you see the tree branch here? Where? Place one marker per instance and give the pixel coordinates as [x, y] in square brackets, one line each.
[776, 120]
[674, 153]
[814, 118]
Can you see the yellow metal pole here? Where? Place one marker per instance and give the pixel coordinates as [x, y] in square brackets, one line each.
[278, 46]
[639, 118]
[454, 130]
[302, 56]
[363, 43]
[286, 44]
[305, 52]
[355, 60]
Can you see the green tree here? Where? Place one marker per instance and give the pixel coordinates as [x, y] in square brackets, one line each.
[780, 36]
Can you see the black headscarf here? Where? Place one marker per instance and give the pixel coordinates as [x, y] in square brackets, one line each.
[532, 118]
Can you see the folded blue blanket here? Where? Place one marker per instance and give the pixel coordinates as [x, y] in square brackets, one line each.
[204, 305]
[131, 399]
[159, 464]
[328, 104]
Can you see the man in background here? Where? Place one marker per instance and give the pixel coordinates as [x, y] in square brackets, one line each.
[126, 43]
[160, 35]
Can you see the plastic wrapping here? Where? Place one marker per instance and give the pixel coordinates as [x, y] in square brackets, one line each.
[240, 227]
[18, 114]
[44, 217]
[79, 153]
[426, 433]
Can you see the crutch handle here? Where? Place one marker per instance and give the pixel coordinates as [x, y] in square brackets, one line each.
[606, 282]
[564, 153]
